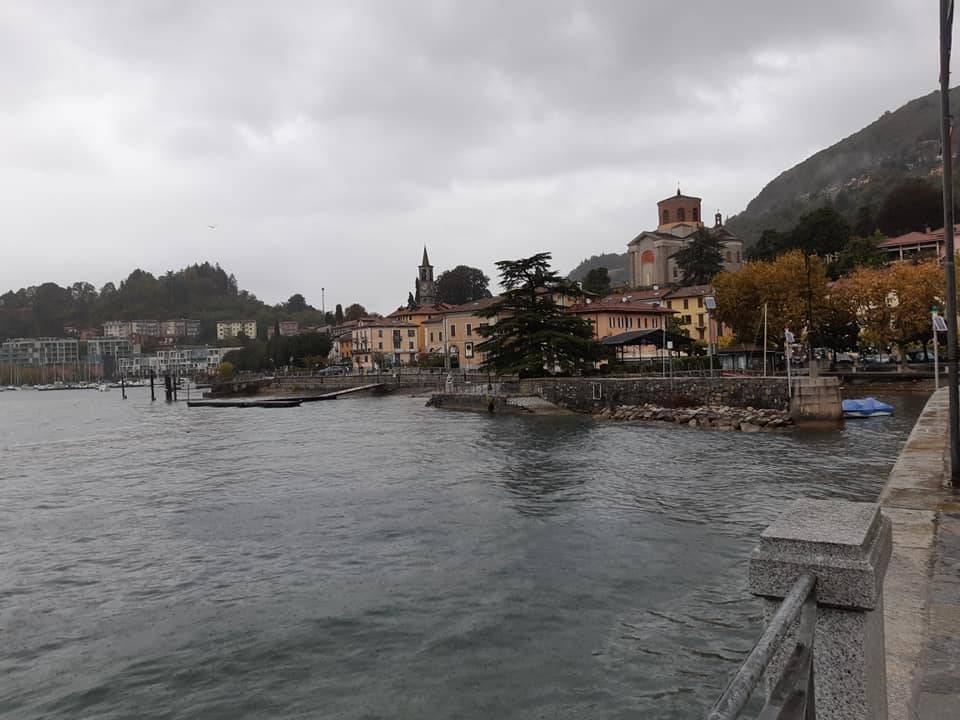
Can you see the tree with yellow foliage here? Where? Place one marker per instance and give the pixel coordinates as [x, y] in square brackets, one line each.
[893, 303]
[781, 283]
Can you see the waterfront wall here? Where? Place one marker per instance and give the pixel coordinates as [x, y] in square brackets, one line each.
[589, 395]
[494, 405]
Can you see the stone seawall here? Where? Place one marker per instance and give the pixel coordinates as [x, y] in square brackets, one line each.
[589, 395]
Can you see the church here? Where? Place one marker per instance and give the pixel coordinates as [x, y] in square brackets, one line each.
[651, 252]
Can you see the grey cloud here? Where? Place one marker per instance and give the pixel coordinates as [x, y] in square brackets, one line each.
[352, 133]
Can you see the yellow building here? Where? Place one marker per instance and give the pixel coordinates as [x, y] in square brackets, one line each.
[233, 329]
[378, 343]
[419, 316]
[690, 305]
[458, 333]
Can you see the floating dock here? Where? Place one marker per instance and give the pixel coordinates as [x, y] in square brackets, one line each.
[264, 403]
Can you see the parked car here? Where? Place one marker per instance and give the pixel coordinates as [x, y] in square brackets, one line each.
[334, 370]
[876, 359]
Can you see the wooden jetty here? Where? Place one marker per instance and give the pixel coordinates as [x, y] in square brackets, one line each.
[280, 402]
[262, 403]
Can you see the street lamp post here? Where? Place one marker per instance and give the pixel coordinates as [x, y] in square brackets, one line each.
[949, 266]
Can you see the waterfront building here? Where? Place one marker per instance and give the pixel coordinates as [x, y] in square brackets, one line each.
[420, 316]
[651, 252]
[40, 351]
[231, 329]
[377, 343]
[191, 359]
[617, 315]
[456, 333]
[115, 347]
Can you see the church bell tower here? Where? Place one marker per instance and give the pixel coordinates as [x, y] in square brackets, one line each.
[426, 287]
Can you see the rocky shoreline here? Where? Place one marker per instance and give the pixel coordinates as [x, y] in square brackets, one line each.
[720, 417]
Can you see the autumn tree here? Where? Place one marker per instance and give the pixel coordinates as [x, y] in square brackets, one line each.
[781, 284]
[893, 303]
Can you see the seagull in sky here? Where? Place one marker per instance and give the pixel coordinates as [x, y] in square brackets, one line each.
[212, 227]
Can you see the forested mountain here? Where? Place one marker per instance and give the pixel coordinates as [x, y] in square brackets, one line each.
[615, 263]
[202, 292]
[854, 175]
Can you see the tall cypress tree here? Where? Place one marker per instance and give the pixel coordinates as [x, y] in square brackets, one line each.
[532, 335]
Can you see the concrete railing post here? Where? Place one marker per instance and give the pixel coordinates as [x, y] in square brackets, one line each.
[846, 546]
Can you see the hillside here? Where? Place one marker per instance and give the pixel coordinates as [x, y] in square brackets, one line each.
[615, 263]
[857, 172]
[202, 292]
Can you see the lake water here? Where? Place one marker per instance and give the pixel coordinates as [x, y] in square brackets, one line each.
[373, 558]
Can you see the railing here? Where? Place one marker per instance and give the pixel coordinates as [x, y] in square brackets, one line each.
[792, 697]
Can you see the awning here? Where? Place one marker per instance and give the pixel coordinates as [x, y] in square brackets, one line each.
[657, 338]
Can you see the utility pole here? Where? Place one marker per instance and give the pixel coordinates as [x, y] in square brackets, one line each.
[949, 266]
[323, 304]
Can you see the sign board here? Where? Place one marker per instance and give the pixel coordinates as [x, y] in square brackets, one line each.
[669, 344]
[939, 324]
[711, 302]
[788, 336]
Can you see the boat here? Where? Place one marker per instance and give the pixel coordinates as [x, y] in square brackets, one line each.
[866, 407]
[103, 387]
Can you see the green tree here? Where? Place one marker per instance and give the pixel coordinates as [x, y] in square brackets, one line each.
[296, 303]
[411, 301]
[912, 205]
[355, 312]
[770, 244]
[338, 315]
[597, 281]
[462, 284]
[701, 259]
[858, 252]
[532, 335]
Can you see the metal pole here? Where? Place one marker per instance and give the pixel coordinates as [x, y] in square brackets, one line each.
[323, 304]
[786, 356]
[936, 359]
[764, 339]
[946, 140]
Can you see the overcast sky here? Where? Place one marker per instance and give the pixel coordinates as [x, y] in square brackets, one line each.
[329, 141]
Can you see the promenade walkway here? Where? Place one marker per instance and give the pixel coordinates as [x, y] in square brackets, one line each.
[922, 586]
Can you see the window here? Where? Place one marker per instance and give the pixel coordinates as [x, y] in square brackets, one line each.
[468, 349]
[380, 346]
[687, 319]
[453, 331]
[696, 215]
[469, 329]
[686, 304]
[666, 216]
[701, 331]
[728, 256]
[681, 214]
[431, 337]
[379, 333]
[440, 336]
[699, 302]
[645, 322]
[670, 304]
[700, 319]
[411, 333]
[410, 344]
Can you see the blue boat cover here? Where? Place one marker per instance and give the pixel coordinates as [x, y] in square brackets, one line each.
[866, 406]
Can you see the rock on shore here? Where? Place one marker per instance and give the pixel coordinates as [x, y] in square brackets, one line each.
[721, 417]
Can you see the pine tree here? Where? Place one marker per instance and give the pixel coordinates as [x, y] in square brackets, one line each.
[532, 335]
[701, 259]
